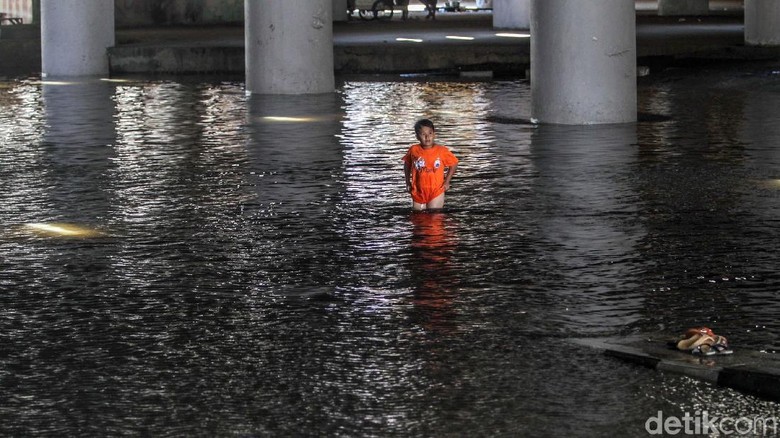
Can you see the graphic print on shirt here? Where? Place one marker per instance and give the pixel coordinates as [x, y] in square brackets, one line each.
[419, 164]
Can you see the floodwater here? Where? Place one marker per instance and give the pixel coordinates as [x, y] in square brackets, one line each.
[179, 259]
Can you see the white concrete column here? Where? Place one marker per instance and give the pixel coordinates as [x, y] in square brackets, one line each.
[583, 61]
[75, 35]
[512, 14]
[683, 7]
[340, 10]
[762, 22]
[289, 46]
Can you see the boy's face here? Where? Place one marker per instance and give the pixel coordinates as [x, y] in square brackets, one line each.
[426, 136]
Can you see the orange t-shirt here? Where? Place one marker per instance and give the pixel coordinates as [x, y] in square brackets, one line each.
[427, 170]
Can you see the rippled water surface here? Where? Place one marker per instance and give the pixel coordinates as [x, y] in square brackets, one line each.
[181, 259]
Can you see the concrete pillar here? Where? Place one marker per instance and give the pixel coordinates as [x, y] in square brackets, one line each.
[340, 10]
[512, 14]
[683, 7]
[289, 47]
[583, 61]
[75, 35]
[761, 22]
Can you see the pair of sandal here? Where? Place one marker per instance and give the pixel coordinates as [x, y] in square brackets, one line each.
[701, 341]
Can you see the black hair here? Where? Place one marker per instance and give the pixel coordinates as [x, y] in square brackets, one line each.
[420, 123]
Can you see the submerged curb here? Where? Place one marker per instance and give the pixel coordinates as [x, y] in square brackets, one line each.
[748, 371]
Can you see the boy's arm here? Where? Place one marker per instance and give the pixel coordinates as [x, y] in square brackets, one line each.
[407, 176]
[450, 173]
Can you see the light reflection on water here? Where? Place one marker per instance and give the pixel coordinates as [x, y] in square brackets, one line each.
[259, 271]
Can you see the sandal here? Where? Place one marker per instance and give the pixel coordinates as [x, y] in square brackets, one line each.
[721, 346]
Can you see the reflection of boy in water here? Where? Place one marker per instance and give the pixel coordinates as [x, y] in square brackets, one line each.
[433, 243]
[428, 168]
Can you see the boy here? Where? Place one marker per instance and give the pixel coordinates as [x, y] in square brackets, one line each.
[428, 168]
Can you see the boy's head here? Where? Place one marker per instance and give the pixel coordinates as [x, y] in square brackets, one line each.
[419, 125]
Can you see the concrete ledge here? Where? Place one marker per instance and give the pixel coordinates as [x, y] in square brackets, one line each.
[748, 371]
[131, 59]
[393, 58]
[388, 58]
[175, 59]
[690, 370]
[26, 56]
[683, 7]
[21, 32]
[373, 48]
[759, 380]
[631, 354]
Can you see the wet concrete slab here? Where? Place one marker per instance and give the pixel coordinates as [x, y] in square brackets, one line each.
[749, 371]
